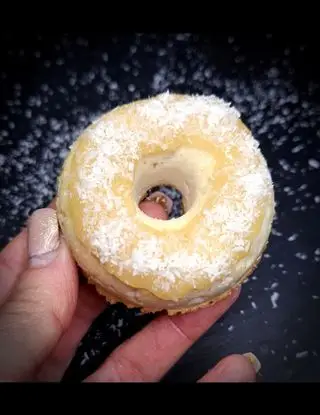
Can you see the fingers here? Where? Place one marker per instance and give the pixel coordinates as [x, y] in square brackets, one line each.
[40, 308]
[90, 305]
[14, 257]
[13, 261]
[234, 368]
[149, 354]
[154, 210]
[157, 205]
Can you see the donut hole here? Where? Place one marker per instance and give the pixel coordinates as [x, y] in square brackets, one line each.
[172, 173]
[172, 193]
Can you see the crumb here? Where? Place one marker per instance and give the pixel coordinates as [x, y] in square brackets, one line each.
[293, 237]
[274, 298]
[301, 255]
[303, 354]
[314, 163]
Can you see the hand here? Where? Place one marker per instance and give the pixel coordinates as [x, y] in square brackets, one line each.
[44, 313]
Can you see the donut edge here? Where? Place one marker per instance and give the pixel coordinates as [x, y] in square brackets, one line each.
[112, 299]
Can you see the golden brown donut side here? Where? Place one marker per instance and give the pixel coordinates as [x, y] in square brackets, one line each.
[112, 299]
[87, 263]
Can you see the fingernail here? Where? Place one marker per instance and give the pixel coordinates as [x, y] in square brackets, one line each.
[253, 360]
[163, 200]
[43, 237]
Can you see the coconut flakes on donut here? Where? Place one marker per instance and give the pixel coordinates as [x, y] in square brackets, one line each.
[165, 112]
[114, 145]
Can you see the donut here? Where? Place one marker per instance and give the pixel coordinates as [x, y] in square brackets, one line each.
[197, 144]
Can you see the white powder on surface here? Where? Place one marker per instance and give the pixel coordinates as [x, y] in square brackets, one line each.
[301, 255]
[274, 299]
[314, 163]
[301, 355]
[293, 237]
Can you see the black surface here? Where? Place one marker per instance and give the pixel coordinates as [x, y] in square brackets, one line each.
[53, 86]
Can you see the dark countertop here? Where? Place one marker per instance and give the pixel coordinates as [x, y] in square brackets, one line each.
[53, 86]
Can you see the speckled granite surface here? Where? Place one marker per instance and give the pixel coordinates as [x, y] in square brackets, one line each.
[53, 86]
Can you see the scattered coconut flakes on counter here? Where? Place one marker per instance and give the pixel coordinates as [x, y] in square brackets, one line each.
[301, 355]
[272, 287]
[85, 359]
[254, 305]
[256, 96]
[314, 163]
[274, 299]
[301, 255]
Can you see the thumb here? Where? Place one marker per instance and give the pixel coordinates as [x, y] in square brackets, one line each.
[42, 304]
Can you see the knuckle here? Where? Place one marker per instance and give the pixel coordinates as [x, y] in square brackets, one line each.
[128, 369]
[182, 333]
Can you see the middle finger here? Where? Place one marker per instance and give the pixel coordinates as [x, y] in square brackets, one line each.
[149, 355]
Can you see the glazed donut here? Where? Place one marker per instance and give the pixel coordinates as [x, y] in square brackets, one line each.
[197, 144]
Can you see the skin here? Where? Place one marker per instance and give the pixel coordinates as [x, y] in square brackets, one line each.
[45, 311]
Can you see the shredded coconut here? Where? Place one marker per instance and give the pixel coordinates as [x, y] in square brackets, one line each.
[301, 355]
[114, 148]
[301, 255]
[293, 237]
[274, 298]
[314, 163]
